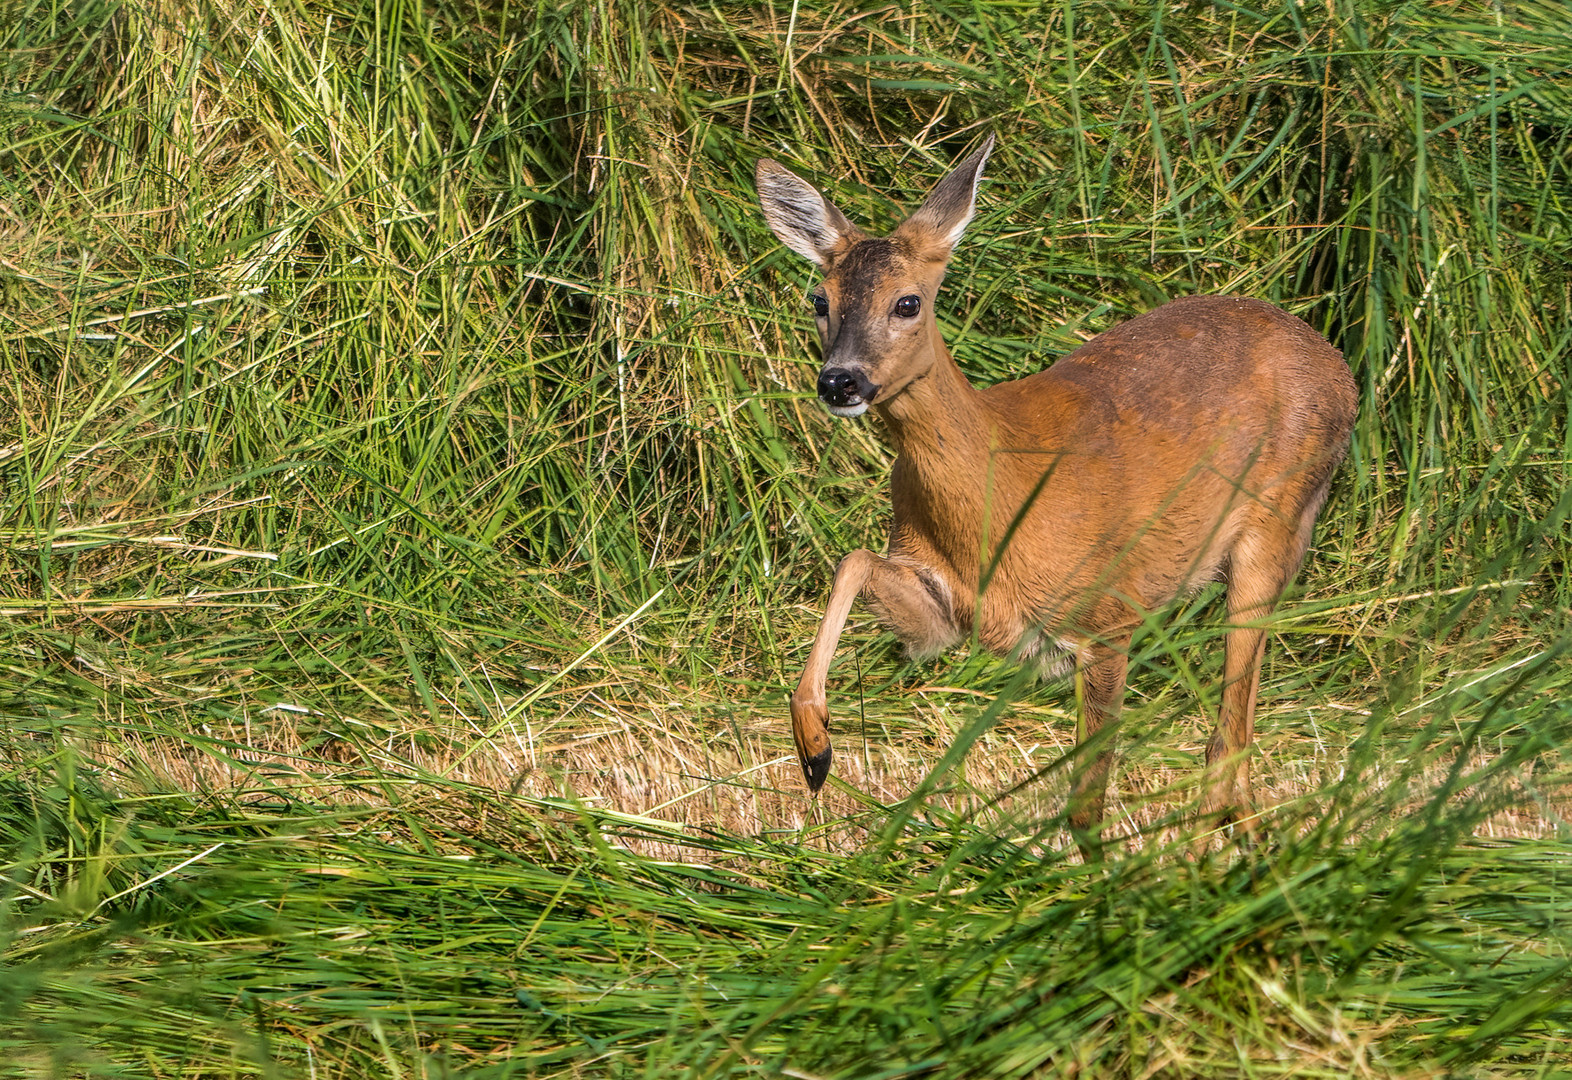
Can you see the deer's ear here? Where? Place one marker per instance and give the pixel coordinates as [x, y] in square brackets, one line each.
[936, 226]
[805, 221]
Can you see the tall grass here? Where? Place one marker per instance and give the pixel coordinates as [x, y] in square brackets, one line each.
[412, 507]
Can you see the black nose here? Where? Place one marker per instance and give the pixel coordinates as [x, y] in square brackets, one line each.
[837, 386]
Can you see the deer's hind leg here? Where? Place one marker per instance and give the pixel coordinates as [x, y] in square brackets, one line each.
[913, 603]
[1261, 565]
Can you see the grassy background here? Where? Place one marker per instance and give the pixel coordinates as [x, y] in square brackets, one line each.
[413, 508]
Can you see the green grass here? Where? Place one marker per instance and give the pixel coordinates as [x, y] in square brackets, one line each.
[413, 510]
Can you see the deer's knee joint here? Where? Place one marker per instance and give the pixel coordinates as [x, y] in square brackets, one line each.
[860, 560]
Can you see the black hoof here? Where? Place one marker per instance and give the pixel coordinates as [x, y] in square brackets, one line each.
[816, 769]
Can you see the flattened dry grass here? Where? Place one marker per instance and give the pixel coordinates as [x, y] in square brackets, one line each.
[692, 764]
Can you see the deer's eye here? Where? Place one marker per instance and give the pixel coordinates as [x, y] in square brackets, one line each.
[821, 306]
[907, 307]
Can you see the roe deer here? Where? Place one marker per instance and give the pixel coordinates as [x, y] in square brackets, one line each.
[1192, 444]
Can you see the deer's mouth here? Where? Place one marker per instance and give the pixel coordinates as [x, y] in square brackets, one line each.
[856, 408]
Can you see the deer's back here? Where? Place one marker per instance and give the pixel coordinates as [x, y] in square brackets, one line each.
[1204, 370]
[1162, 441]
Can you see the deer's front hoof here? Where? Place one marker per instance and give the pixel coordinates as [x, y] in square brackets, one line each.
[810, 727]
[816, 769]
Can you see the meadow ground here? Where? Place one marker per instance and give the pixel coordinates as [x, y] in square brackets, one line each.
[413, 511]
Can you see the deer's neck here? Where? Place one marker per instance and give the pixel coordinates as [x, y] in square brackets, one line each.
[939, 421]
[943, 484]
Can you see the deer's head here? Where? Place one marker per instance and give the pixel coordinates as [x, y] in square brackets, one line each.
[874, 308]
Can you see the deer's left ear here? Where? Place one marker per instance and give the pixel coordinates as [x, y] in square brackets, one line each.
[936, 226]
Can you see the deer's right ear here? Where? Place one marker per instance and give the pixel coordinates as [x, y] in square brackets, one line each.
[806, 221]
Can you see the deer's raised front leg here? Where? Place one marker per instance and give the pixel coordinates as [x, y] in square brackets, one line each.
[913, 603]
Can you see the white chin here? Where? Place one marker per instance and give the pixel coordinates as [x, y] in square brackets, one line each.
[847, 411]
